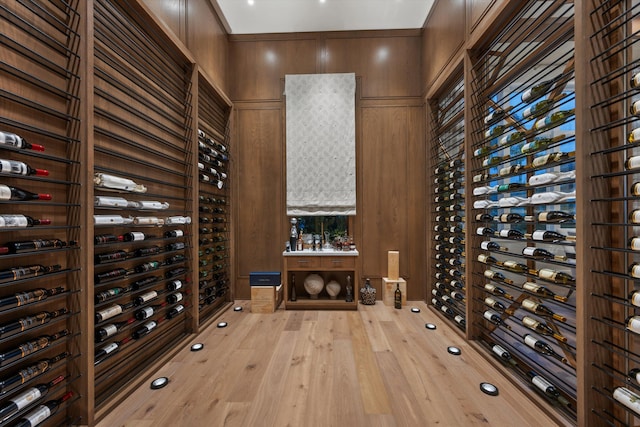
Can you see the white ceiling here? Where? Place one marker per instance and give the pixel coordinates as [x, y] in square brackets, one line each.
[286, 16]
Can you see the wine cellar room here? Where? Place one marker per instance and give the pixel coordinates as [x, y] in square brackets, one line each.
[383, 212]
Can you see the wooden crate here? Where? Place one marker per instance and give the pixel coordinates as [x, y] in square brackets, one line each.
[389, 289]
[265, 299]
[393, 265]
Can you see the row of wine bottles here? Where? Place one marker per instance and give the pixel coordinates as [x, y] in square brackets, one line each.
[120, 273]
[122, 255]
[115, 309]
[116, 291]
[140, 220]
[133, 236]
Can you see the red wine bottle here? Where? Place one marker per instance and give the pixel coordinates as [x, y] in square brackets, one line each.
[15, 167]
[37, 245]
[107, 238]
[18, 194]
[152, 250]
[134, 236]
[146, 312]
[111, 275]
[26, 398]
[174, 298]
[106, 331]
[18, 273]
[145, 329]
[145, 297]
[111, 311]
[174, 233]
[18, 221]
[174, 311]
[109, 350]
[147, 266]
[24, 298]
[28, 373]
[43, 412]
[29, 322]
[109, 257]
[29, 347]
[111, 293]
[9, 139]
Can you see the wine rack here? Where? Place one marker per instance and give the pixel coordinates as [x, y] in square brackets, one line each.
[143, 196]
[448, 290]
[523, 230]
[613, 145]
[40, 234]
[214, 196]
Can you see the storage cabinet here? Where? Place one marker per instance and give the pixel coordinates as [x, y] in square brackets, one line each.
[330, 265]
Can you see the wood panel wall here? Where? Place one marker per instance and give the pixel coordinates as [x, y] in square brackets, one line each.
[198, 27]
[389, 138]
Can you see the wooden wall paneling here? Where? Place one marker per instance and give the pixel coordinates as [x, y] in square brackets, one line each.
[41, 81]
[260, 66]
[259, 195]
[385, 191]
[172, 13]
[389, 65]
[207, 40]
[443, 36]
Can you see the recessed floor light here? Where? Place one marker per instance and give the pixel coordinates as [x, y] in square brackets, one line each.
[222, 325]
[159, 383]
[489, 389]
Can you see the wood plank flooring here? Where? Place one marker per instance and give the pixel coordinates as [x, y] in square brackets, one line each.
[373, 367]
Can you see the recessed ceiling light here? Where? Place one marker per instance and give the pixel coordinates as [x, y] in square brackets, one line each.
[250, 2]
[322, 1]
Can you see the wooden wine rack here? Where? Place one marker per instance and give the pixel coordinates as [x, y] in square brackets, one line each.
[448, 290]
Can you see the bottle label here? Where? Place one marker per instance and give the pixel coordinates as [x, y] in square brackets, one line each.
[542, 217]
[150, 325]
[38, 416]
[635, 135]
[541, 161]
[529, 322]
[541, 383]
[485, 245]
[633, 162]
[147, 296]
[635, 271]
[547, 274]
[137, 235]
[527, 95]
[504, 233]
[27, 398]
[529, 305]
[510, 264]
[110, 330]
[633, 325]
[635, 299]
[635, 216]
[180, 308]
[530, 341]
[501, 352]
[490, 315]
[627, 398]
[5, 192]
[488, 274]
[635, 244]
[538, 235]
[505, 217]
[110, 312]
[531, 287]
[529, 251]
[146, 312]
[178, 296]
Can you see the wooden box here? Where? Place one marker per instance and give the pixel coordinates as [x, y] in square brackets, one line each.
[393, 265]
[265, 299]
[389, 289]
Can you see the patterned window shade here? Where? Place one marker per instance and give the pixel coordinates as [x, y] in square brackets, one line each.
[321, 144]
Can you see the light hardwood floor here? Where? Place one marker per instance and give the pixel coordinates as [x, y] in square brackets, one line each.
[373, 367]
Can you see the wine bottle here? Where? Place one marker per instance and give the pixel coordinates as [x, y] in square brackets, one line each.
[19, 273]
[542, 347]
[148, 220]
[511, 138]
[109, 257]
[487, 259]
[111, 311]
[145, 297]
[634, 298]
[446, 310]
[537, 109]
[509, 170]
[36, 245]
[14, 221]
[494, 317]
[110, 275]
[635, 81]
[458, 296]
[18, 194]
[14, 167]
[397, 297]
[103, 296]
[634, 374]
[175, 311]
[43, 412]
[106, 331]
[117, 182]
[484, 217]
[546, 387]
[512, 186]
[497, 276]
[541, 254]
[542, 291]
[511, 234]
[11, 382]
[548, 236]
[30, 347]
[23, 298]
[29, 322]
[488, 245]
[510, 218]
[107, 238]
[494, 304]
[554, 276]
[485, 231]
[145, 329]
[515, 267]
[555, 217]
[494, 116]
[151, 250]
[503, 354]
[496, 290]
[175, 297]
[495, 131]
[627, 398]
[541, 328]
[492, 161]
[9, 139]
[548, 159]
[536, 91]
[177, 246]
[541, 309]
[633, 324]
[174, 233]
[134, 236]
[460, 320]
[634, 216]
[26, 398]
[146, 312]
[109, 350]
[147, 266]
